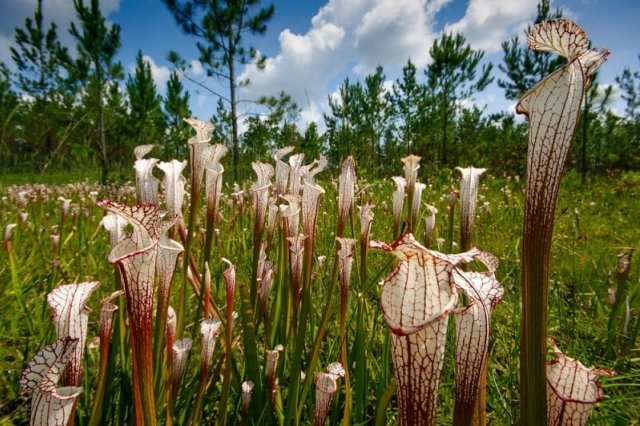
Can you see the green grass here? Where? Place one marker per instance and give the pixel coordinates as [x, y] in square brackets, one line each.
[593, 225]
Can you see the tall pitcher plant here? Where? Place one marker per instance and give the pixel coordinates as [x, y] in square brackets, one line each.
[552, 107]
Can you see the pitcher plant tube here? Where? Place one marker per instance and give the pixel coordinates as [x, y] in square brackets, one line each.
[552, 107]
[417, 298]
[473, 323]
[135, 257]
[71, 318]
[326, 387]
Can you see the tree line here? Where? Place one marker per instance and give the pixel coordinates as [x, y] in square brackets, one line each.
[63, 109]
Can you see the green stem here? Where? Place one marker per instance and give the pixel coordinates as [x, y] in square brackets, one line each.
[361, 379]
[344, 358]
[452, 214]
[182, 303]
[616, 311]
[196, 413]
[533, 321]
[315, 354]
[226, 383]
[101, 386]
[292, 403]
[168, 387]
[381, 409]
[17, 288]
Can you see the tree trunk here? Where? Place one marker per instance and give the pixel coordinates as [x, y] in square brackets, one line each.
[103, 137]
[445, 122]
[234, 117]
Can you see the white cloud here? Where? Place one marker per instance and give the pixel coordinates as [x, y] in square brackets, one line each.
[160, 73]
[195, 68]
[487, 23]
[615, 91]
[14, 12]
[393, 31]
[313, 114]
[616, 104]
[346, 36]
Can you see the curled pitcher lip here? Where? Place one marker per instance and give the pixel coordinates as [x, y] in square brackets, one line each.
[51, 404]
[572, 389]
[70, 318]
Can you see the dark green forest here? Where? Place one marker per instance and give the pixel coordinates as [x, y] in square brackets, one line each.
[73, 107]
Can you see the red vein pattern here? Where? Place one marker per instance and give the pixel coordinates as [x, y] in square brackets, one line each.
[260, 193]
[107, 309]
[296, 258]
[560, 36]
[135, 257]
[572, 390]
[311, 193]
[346, 191]
[326, 387]
[180, 350]
[416, 300]
[70, 318]
[199, 150]
[213, 181]
[50, 406]
[295, 164]
[282, 169]
[472, 334]
[552, 107]
[468, 200]
[168, 253]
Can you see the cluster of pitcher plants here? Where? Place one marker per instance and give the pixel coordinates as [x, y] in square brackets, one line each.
[257, 346]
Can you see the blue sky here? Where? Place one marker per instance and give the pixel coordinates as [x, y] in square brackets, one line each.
[314, 44]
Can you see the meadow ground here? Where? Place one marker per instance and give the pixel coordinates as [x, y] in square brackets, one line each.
[594, 224]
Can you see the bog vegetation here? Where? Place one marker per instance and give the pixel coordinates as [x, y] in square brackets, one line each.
[316, 291]
[59, 240]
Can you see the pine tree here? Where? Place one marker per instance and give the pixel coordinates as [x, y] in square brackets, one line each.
[594, 104]
[271, 130]
[629, 83]
[146, 120]
[376, 115]
[121, 143]
[220, 26]
[48, 111]
[344, 127]
[37, 57]
[176, 109]
[311, 143]
[96, 67]
[452, 77]
[409, 105]
[8, 107]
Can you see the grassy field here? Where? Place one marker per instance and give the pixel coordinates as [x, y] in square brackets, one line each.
[594, 223]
